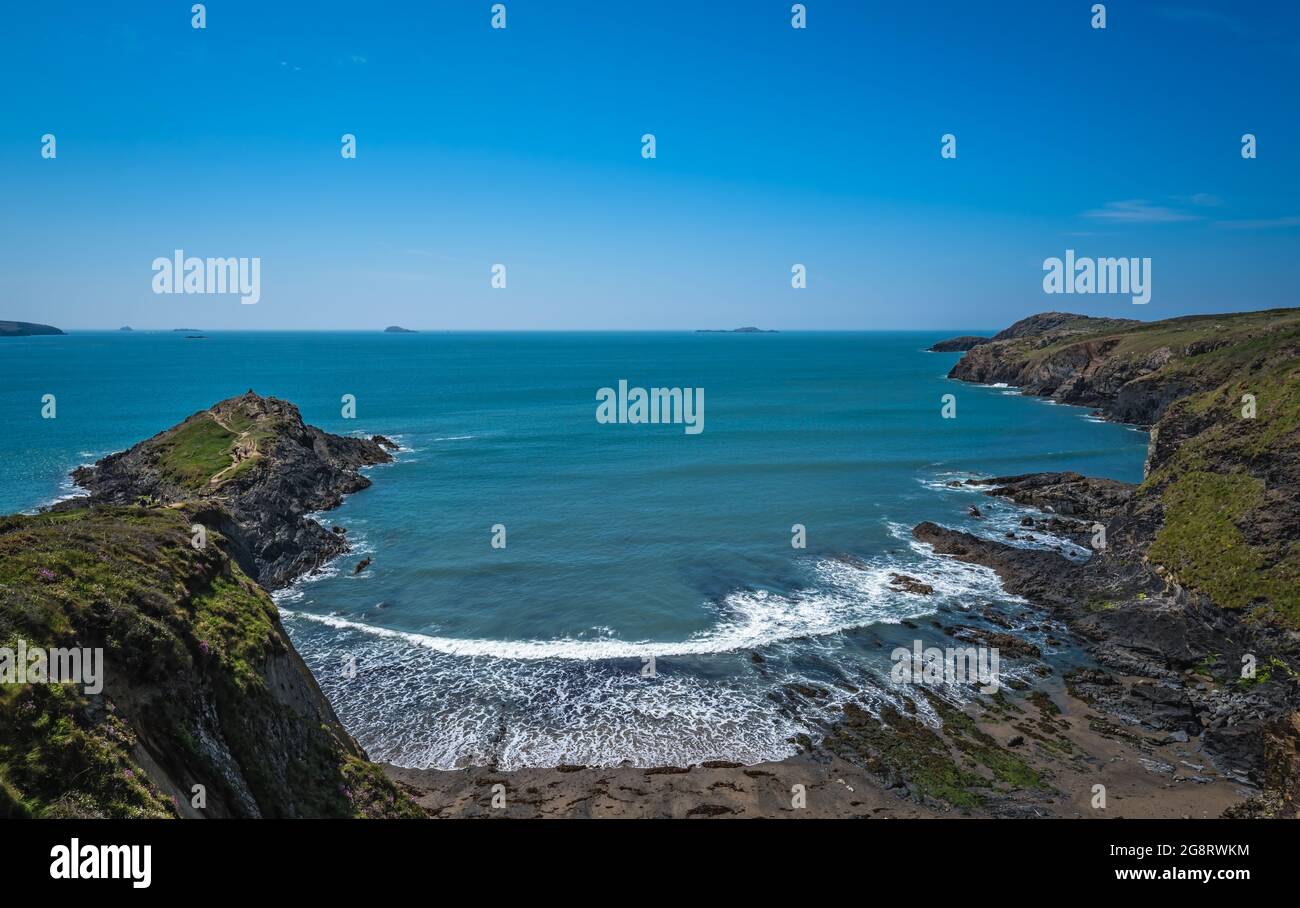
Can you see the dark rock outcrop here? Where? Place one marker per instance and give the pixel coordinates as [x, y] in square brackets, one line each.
[253, 458]
[1036, 574]
[908, 584]
[1067, 493]
[959, 344]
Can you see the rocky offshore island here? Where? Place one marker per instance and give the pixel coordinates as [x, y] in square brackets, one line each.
[1197, 579]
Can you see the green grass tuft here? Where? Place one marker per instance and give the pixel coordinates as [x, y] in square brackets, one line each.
[195, 452]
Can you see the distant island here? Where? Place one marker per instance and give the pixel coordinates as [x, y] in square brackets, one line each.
[126, 328]
[26, 329]
[398, 329]
[959, 344]
[747, 330]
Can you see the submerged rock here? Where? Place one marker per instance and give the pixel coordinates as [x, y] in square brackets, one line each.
[910, 585]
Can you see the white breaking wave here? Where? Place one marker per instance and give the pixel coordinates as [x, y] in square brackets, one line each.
[425, 700]
[940, 482]
[414, 707]
[68, 489]
[849, 597]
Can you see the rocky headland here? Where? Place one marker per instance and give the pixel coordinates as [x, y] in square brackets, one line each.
[258, 469]
[958, 344]
[206, 709]
[1191, 601]
[26, 329]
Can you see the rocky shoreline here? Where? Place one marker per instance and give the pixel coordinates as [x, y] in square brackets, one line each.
[1192, 577]
[1165, 718]
[1170, 634]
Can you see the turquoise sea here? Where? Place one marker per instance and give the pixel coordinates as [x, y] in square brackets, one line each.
[623, 542]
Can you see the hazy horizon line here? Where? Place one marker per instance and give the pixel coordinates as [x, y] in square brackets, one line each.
[135, 330]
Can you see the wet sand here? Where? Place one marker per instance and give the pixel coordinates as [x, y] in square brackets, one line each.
[1074, 749]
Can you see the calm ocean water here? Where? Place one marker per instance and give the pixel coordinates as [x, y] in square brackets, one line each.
[623, 541]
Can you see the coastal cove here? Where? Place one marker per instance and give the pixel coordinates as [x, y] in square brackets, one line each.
[625, 541]
[768, 662]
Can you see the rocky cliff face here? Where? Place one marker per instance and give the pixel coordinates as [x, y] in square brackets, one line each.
[205, 710]
[254, 459]
[1131, 371]
[1200, 575]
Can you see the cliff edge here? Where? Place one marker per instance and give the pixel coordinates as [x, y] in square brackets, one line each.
[202, 707]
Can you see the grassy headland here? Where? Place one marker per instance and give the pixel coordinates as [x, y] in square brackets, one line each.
[205, 709]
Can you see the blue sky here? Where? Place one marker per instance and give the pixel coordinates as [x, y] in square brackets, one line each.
[522, 146]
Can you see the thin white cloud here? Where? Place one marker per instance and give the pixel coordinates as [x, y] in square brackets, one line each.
[1138, 211]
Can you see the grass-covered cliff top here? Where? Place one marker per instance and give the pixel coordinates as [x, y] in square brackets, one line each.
[1223, 473]
[1218, 342]
[230, 448]
[217, 445]
[202, 686]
